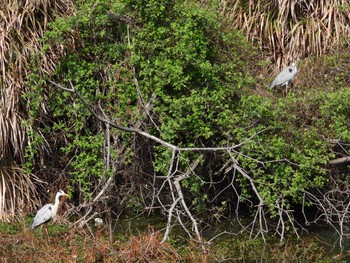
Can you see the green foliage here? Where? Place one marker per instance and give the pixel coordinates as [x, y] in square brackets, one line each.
[9, 229]
[194, 72]
[91, 64]
[294, 154]
[336, 109]
[199, 71]
[88, 162]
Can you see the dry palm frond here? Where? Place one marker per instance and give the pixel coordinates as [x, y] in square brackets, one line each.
[17, 192]
[22, 24]
[291, 29]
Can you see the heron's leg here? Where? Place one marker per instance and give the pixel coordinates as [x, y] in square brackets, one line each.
[47, 233]
[41, 230]
[285, 90]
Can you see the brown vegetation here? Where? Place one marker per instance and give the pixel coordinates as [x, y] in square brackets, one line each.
[148, 248]
[22, 24]
[54, 243]
[291, 30]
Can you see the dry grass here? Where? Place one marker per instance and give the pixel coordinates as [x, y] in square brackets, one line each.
[70, 246]
[148, 248]
[291, 30]
[76, 245]
[22, 25]
[57, 243]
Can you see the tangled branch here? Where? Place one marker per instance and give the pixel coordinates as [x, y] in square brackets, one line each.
[173, 179]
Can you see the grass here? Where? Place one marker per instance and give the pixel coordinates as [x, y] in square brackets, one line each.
[60, 243]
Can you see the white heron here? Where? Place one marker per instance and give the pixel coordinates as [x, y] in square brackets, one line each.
[48, 211]
[285, 77]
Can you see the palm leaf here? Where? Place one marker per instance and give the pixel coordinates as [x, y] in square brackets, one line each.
[290, 30]
[23, 23]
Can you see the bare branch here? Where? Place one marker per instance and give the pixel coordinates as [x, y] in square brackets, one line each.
[145, 134]
[334, 206]
[340, 160]
[175, 176]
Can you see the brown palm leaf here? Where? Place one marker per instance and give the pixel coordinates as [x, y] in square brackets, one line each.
[22, 24]
[291, 29]
[17, 192]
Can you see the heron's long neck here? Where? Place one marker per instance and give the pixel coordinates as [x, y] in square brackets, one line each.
[57, 201]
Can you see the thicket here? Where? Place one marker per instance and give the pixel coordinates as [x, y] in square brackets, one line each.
[178, 71]
[23, 24]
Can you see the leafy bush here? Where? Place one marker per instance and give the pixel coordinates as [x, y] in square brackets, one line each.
[120, 55]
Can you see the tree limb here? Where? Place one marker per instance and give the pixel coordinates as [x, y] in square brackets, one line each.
[145, 134]
[340, 160]
[175, 176]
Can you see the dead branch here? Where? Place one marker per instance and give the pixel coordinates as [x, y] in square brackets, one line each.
[340, 160]
[259, 218]
[282, 221]
[145, 134]
[175, 176]
[176, 182]
[333, 206]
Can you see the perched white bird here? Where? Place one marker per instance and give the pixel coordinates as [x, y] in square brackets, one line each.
[47, 212]
[98, 221]
[285, 77]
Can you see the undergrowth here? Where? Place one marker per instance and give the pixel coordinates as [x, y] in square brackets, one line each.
[58, 243]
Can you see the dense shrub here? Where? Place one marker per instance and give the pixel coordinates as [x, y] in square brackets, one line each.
[199, 80]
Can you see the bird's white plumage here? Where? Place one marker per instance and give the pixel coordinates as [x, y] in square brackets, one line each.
[285, 77]
[98, 221]
[47, 212]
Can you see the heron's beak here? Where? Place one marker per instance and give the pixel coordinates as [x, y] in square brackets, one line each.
[64, 194]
